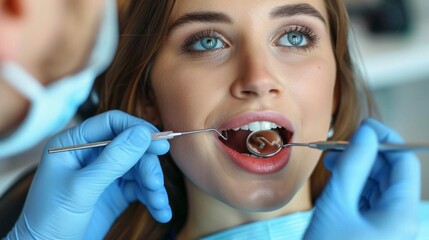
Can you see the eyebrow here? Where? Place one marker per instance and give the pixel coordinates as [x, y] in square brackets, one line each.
[218, 17]
[208, 17]
[297, 9]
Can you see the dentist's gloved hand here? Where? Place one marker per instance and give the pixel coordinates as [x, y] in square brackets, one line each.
[79, 194]
[370, 195]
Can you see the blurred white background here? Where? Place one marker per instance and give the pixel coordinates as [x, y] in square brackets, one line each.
[396, 67]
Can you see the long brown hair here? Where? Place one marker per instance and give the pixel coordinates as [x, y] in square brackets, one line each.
[126, 86]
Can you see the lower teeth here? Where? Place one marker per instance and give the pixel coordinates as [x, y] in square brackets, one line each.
[251, 155]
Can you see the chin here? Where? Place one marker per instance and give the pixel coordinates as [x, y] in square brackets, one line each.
[261, 200]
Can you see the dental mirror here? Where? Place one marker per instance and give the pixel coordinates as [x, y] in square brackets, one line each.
[264, 143]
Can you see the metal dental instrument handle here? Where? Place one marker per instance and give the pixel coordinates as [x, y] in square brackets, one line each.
[155, 136]
[267, 143]
[341, 145]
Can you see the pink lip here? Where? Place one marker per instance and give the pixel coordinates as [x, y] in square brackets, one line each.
[254, 165]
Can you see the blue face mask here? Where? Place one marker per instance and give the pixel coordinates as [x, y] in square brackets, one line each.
[54, 106]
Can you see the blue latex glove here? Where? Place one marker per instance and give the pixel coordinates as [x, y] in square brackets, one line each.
[79, 194]
[370, 195]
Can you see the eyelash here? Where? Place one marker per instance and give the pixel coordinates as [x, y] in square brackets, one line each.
[305, 31]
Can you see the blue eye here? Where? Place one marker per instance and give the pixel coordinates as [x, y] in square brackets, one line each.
[207, 44]
[293, 39]
[204, 42]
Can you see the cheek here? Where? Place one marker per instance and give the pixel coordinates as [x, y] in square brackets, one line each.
[185, 96]
[315, 96]
[173, 99]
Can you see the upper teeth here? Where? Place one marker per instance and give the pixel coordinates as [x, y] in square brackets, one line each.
[258, 126]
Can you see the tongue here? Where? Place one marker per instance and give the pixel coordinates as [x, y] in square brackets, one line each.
[237, 140]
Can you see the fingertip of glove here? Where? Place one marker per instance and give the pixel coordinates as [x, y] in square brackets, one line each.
[159, 147]
[365, 135]
[329, 160]
[384, 133]
[377, 126]
[164, 215]
[371, 121]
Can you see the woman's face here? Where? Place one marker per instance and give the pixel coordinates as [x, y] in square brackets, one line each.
[245, 64]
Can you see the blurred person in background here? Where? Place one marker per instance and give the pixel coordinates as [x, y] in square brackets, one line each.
[51, 51]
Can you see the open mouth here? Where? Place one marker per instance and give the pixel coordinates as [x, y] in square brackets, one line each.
[237, 137]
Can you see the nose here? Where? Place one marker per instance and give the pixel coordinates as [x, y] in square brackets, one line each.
[255, 78]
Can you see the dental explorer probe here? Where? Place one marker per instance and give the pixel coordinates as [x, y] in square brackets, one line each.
[155, 136]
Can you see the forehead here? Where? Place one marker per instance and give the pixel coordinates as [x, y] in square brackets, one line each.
[255, 9]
